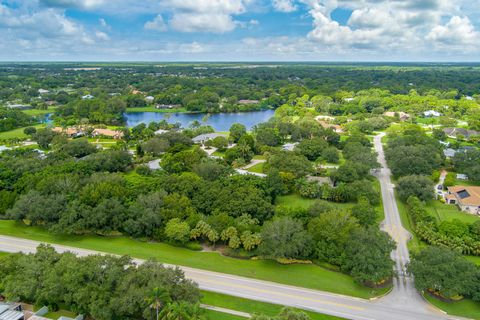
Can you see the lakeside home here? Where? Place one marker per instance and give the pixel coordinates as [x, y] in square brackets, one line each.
[467, 198]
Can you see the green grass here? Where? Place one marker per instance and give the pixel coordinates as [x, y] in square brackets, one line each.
[38, 112]
[57, 314]
[258, 168]
[414, 244]
[219, 154]
[302, 275]
[296, 201]
[259, 157]
[215, 315]
[17, 133]
[463, 308]
[474, 259]
[3, 254]
[251, 306]
[153, 109]
[448, 212]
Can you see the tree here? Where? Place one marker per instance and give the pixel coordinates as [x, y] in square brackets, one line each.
[178, 231]
[29, 131]
[368, 256]
[182, 311]
[312, 148]
[284, 238]
[157, 299]
[156, 146]
[78, 148]
[443, 272]
[240, 153]
[237, 130]
[289, 162]
[44, 137]
[330, 155]
[285, 314]
[221, 143]
[416, 186]
[364, 212]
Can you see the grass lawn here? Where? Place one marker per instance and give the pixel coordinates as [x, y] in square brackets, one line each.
[414, 244]
[215, 315]
[474, 259]
[17, 133]
[302, 275]
[153, 109]
[259, 157]
[258, 168]
[57, 314]
[3, 254]
[219, 154]
[251, 306]
[296, 201]
[464, 308]
[448, 212]
[38, 112]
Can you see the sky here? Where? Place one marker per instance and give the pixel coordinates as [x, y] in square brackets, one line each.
[240, 30]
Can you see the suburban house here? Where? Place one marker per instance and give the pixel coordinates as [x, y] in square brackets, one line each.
[115, 134]
[449, 152]
[43, 91]
[70, 132]
[87, 97]
[201, 139]
[160, 131]
[431, 114]
[334, 127]
[167, 106]
[455, 132]
[248, 101]
[149, 99]
[19, 106]
[403, 116]
[11, 311]
[467, 198]
[289, 146]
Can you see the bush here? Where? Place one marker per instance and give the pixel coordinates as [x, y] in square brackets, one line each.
[417, 186]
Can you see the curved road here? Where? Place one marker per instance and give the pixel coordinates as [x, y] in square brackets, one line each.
[401, 304]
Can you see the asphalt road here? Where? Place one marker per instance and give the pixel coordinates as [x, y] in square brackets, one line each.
[401, 304]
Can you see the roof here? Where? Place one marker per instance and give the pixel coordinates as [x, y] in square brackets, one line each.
[464, 132]
[432, 113]
[208, 136]
[11, 315]
[67, 131]
[466, 195]
[449, 152]
[401, 114]
[108, 132]
[245, 101]
[335, 127]
[289, 146]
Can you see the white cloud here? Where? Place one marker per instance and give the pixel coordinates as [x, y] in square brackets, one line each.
[84, 4]
[102, 36]
[457, 31]
[284, 5]
[214, 16]
[157, 24]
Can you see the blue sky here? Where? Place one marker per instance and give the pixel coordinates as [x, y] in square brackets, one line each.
[240, 30]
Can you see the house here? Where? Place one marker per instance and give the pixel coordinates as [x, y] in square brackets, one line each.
[470, 98]
[401, 115]
[11, 311]
[245, 101]
[449, 152]
[115, 134]
[462, 176]
[201, 139]
[455, 132]
[431, 114]
[43, 91]
[70, 132]
[167, 106]
[467, 198]
[87, 97]
[149, 99]
[135, 91]
[334, 127]
[348, 99]
[321, 180]
[19, 106]
[160, 131]
[289, 146]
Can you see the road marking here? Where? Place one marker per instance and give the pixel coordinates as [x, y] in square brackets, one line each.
[286, 295]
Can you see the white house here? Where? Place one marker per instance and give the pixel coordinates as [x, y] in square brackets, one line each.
[149, 99]
[87, 97]
[432, 114]
[43, 91]
[160, 131]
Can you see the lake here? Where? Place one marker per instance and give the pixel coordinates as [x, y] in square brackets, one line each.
[219, 121]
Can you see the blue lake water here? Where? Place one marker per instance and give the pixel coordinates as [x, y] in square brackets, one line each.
[219, 121]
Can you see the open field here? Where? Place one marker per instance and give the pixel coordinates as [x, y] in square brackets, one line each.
[302, 275]
[3, 254]
[38, 112]
[215, 315]
[258, 168]
[17, 133]
[251, 306]
[57, 314]
[463, 308]
[153, 109]
[448, 212]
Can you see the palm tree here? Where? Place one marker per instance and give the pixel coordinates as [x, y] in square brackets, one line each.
[157, 299]
[182, 311]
